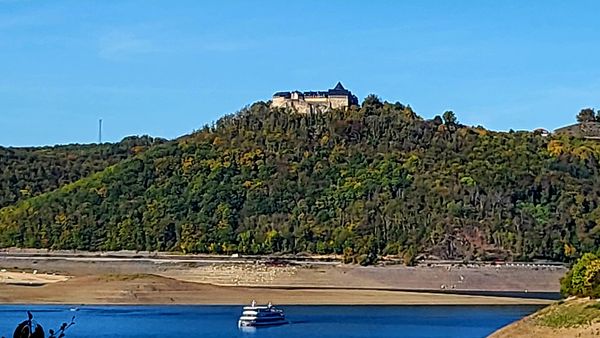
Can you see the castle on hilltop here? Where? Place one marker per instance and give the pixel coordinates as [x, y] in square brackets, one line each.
[308, 102]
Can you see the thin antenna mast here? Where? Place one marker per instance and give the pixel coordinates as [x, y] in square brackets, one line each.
[100, 131]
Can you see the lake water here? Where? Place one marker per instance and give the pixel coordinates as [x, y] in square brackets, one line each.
[306, 321]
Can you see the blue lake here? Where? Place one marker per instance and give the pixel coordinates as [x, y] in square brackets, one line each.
[306, 321]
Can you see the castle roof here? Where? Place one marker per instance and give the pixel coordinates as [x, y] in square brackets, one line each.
[338, 90]
[283, 94]
[339, 86]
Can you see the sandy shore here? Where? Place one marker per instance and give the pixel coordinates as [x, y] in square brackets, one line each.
[151, 289]
[29, 278]
[439, 278]
[131, 281]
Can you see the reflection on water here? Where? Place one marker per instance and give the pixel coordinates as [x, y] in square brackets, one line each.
[248, 329]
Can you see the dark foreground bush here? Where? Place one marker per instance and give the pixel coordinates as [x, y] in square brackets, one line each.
[31, 329]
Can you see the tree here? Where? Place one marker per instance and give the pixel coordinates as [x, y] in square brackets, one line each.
[372, 100]
[449, 118]
[586, 115]
[583, 280]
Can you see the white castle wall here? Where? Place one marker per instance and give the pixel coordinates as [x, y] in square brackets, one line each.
[311, 104]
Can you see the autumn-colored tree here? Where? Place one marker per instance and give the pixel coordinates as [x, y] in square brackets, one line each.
[583, 279]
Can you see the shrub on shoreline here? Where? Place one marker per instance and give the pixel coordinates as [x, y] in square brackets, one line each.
[583, 280]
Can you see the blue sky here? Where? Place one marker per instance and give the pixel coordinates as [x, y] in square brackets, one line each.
[165, 68]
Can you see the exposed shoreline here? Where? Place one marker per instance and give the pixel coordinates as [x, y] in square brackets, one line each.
[150, 290]
[92, 279]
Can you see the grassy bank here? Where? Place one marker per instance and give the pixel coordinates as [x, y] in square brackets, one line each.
[571, 318]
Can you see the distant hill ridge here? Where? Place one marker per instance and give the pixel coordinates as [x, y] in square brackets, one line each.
[30, 171]
[363, 182]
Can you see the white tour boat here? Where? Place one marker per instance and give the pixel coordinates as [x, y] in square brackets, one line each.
[257, 315]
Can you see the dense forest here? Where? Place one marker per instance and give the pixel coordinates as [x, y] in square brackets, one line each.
[27, 172]
[368, 181]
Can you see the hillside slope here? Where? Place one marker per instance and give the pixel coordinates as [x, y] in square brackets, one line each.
[27, 172]
[369, 181]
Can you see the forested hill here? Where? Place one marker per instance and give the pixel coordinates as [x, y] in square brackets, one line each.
[365, 182]
[27, 172]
